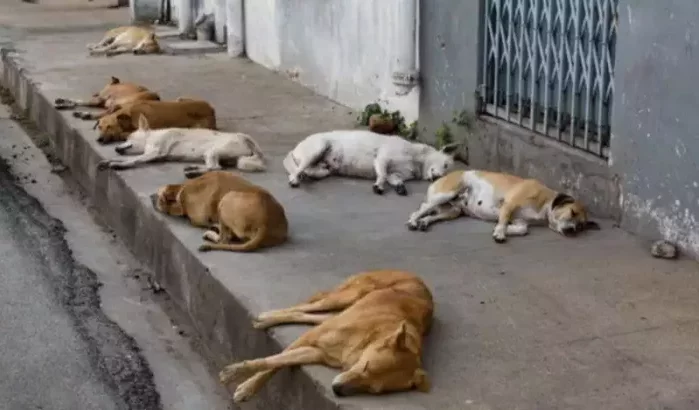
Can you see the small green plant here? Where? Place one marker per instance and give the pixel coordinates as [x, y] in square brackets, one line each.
[443, 135]
[409, 132]
[463, 118]
[369, 110]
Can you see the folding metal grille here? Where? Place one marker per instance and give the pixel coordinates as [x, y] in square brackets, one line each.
[548, 65]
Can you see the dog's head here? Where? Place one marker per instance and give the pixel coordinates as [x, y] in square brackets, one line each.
[568, 216]
[148, 45]
[387, 365]
[166, 200]
[136, 140]
[438, 162]
[114, 127]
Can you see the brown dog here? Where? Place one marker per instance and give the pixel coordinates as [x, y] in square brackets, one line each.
[234, 207]
[182, 113]
[376, 340]
[114, 94]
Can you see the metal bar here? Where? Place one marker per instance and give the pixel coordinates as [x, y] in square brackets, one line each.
[508, 58]
[588, 88]
[574, 77]
[548, 51]
[520, 71]
[496, 59]
[534, 63]
[486, 50]
[562, 44]
[604, 74]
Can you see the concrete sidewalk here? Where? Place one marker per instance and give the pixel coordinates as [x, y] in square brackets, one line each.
[541, 322]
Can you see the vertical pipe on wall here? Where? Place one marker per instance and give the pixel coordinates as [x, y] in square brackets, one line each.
[405, 76]
[235, 27]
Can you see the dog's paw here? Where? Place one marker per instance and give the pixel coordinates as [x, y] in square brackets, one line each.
[192, 173]
[117, 166]
[242, 394]
[102, 165]
[377, 189]
[205, 247]
[235, 373]
[259, 324]
[210, 236]
[401, 190]
[191, 168]
[294, 183]
[499, 237]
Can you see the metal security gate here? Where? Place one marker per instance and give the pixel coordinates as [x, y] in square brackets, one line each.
[548, 65]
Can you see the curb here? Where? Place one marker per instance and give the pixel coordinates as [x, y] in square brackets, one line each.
[220, 319]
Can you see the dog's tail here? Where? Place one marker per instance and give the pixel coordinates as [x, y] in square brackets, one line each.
[252, 245]
[255, 162]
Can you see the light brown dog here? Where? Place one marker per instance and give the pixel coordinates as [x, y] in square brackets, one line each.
[125, 39]
[513, 202]
[114, 94]
[181, 113]
[227, 203]
[376, 339]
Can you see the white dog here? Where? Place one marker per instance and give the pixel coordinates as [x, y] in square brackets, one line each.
[365, 154]
[191, 145]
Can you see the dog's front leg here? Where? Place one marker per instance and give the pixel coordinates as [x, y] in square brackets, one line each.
[380, 167]
[282, 318]
[118, 50]
[129, 163]
[396, 181]
[292, 356]
[446, 212]
[85, 115]
[249, 387]
[504, 218]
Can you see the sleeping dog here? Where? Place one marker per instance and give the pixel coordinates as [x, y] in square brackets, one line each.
[512, 201]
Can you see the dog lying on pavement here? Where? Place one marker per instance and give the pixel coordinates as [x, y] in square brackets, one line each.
[114, 94]
[512, 201]
[230, 207]
[183, 144]
[365, 154]
[376, 338]
[126, 39]
[181, 113]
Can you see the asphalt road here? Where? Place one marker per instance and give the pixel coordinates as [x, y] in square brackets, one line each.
[80, 325]
[58, 350]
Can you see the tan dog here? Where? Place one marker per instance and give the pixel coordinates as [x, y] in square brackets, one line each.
[512, 201]
[125, 39]
[234, 207]
[114, 94]
[182, 113]
[376, 339]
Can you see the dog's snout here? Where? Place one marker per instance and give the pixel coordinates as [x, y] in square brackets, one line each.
[154, 200]
[119, 150]
[101, 140]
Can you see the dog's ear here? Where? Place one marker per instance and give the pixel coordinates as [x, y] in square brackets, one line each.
[398, 339]
[143, 123]
[451, 149]
[421, 381]
[592, 225]
[561, 199]
[115, 80]
[124, 121]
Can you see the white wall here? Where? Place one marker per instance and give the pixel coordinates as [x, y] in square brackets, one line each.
[342, 49]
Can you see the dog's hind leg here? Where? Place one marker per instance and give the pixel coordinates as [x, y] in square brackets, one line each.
[334, 300]
[432, 202]
[380, 167]
[65, 103]
[308, 160]
[446, 212]
[86, 115]
[500, 230]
